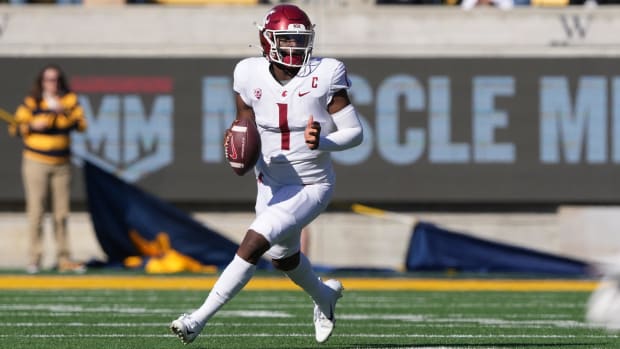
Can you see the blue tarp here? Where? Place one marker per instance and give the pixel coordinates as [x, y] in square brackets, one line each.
[117, 208]
[436, 249]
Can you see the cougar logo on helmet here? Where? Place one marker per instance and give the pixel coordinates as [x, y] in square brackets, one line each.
[287, 36]
[267, 16]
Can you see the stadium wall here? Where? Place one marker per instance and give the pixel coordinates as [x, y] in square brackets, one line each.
[344, 29]
[584, 233]
[512, 59]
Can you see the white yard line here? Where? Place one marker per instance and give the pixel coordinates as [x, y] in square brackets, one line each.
[159, 324]
[60, 310]
[464, 320]
[420, 325]
[117, 309]
[297, 305]
[349, 335]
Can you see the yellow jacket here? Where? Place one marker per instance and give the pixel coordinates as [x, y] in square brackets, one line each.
[53, 144]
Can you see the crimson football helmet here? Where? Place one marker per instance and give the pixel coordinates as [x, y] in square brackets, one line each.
[287, 36]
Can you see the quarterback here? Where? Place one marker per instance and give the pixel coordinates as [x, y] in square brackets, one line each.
[302, 112]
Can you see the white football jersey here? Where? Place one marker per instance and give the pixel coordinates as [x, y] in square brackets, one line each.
[282, 113]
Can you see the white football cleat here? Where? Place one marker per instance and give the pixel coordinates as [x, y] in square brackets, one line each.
[603, 308]
[186, 328]
[324, 323]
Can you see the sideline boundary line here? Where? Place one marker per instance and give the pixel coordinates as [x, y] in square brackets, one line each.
[88, 282]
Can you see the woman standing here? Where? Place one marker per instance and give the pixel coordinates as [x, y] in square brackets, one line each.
[45, 121]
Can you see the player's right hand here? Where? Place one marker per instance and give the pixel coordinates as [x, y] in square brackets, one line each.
[227, 137]
[228, 133]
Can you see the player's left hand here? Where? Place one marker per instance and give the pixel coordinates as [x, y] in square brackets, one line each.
[312, 133]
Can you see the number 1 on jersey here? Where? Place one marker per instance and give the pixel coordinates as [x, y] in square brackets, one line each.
[284, 130]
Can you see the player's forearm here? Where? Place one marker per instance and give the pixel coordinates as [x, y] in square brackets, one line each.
[349, 133]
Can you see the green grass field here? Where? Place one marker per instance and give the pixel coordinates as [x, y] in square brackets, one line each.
[118, 319]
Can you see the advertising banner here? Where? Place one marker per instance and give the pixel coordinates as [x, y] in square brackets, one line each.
[445, 130]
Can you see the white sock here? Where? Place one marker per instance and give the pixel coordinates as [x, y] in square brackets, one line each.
[305, 277]
[230, 282]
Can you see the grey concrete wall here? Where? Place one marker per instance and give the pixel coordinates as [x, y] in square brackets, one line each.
[349, 240]
[344, 28]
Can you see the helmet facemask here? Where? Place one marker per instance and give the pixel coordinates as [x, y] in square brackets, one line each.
[291, 48]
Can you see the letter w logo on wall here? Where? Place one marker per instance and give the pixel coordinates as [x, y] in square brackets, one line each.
[130, 132]
[576, 26]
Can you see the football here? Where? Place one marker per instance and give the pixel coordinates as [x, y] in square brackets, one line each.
[243, 146]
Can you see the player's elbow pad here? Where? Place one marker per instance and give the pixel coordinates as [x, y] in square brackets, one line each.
[349, 133]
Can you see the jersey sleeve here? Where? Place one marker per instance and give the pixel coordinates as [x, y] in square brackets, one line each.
[23, 116]
[75, 113]
[340, 80]
[240, 78]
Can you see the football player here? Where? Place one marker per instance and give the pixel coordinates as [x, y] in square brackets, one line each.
[603, 307]
[302, 111]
